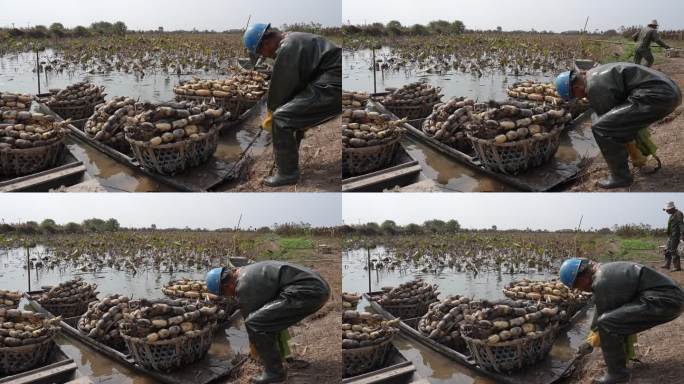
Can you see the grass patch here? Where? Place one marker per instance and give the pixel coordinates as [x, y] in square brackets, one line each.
[292, 249]
[296, 243]
[638, 244]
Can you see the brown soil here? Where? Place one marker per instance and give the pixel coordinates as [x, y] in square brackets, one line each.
[658, 349]
[320, 162]
[315, 339]
[667, 134]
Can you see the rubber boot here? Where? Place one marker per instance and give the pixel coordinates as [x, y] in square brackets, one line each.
[286, 150]
[613, 348]
[676, 263]
[668, 259]
[616, 156]
[266, 347]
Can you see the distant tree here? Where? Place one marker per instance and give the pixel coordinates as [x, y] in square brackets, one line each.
[119, 28]
[413, 229]
[611, 33]
[499, 29]
[102, 28]
[153, 226]
[112, 225]
[494, 228]
[435, 226]
[94, 225]
[419, 30]
[160, 29]
[48, 226]
[394, 27]
[39, 31]
[389, 227]
[81, 31]
[439, 26]
[452, 226]
[458, 27]
[57, 30]
[72, 227]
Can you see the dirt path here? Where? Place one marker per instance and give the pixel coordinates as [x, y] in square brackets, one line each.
[320, 161]
[315, 339]
[667, 134]
[658, 349]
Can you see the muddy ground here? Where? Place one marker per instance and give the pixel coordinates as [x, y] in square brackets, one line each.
[320, 162]
[315, 339]
[667, 134]
[659, 351]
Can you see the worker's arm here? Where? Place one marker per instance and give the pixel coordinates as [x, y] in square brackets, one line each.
[635, 36]
[656, 38]
[286, 81]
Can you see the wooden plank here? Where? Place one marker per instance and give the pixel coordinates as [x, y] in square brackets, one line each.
[382, 177]
[382, 375]
[49, 177]
[524, 181]
[49, 375]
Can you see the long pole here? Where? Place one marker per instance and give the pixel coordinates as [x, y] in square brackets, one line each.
[375, 89]
[38, 71]
[369, 270]
[28, 267]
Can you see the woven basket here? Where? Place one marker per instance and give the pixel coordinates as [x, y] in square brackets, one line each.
[15, 360]
[173, 158]
[166, 355]
[517, 156]
[20, 162]
[364, 359]
[411, 112]
[357, 161]
[75, 112]
[408, 311]
[511, 355]
[235, 105]
[66, 310]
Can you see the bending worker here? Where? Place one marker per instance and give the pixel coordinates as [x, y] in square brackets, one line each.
[305, 90]
[644, 38]
[675, 225]
[626, 99]
[630, 298]
[272, 296]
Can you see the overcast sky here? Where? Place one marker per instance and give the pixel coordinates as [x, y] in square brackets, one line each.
[512, 210]
[554, 15]
[195, 210]
[218, 15]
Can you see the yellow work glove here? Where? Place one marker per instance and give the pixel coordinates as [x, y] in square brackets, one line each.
[593, 339]
[267, 123]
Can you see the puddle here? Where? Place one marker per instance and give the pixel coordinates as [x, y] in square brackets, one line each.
[146, 283]
[486, 284]
[447, 173]
[16, 75]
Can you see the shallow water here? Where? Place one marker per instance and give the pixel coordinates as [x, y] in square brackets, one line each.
[430, 364]
[17, 75]
[447, 173]
[14, 276]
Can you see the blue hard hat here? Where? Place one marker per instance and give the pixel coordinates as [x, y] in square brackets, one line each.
[563, 85]
[253, 35]
[569, 270]
[214, 281]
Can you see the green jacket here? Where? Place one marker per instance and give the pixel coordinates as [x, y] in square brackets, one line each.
[645, 37]
[675, 225]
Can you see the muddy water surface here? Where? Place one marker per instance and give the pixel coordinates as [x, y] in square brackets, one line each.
[430, 364]
[14, 275]
[447, 173]
[17, 74]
